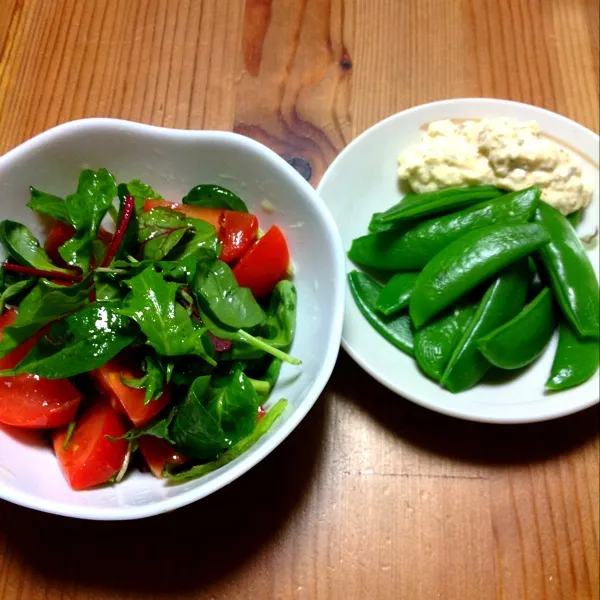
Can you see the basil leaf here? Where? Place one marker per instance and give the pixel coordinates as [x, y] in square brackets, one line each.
[232, 453]
[47, 204]
[140, 191]
[79, 343]
[218, 292]
[234, 406]
[165, 323]
[87, 207]
[214, 196]
[22, 246]
[45, 303]
[160, 230]
[194, 430]
[153, 380]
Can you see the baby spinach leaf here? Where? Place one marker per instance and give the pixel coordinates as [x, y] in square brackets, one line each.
[45, 303]
[218, 292]
[140, 191]
[153, 380]
[234, 406]
[214, 196]
[160, 230]
[79, 343]
[194, 430]
[232, 453]
[47, 204]
[166, 324]
[87, 207]
[22, 246]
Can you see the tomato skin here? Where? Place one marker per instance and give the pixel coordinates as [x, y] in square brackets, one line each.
[125, 399]
[90, 457]
[264, 264]
[158, 453]
[29, 400]
[238, 231]
[58, 235]
[210, 215]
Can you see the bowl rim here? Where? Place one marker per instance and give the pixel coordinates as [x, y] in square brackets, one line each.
[359, 358]
[253, 456]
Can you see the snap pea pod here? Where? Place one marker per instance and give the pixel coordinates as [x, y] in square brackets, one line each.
[521, 340]
[395, 294]
[575, 361]
[574, 218]
[571, 274]
[435, 342]
[501, 302]
[408, 249]
[376, 226]
[469, 261]
[396, 330]
[417, 206]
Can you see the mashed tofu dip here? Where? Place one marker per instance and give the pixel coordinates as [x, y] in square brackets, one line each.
[503, 152]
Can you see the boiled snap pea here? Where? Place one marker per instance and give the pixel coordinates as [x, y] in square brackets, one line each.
[396, 330]
[501, 302]
[571, 274]
[407, 249]
[575, 361]
[468, 262]
[521, 340]
[395, 294]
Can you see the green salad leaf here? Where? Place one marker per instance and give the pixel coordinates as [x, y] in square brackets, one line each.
[23, 247]
[153, 380]
[87, 207]
[45, 303]
[140, 191]
[79, 343]
[160, 230]
[214, 196]
[48, 204]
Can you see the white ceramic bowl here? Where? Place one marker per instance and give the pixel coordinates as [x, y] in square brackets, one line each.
[363, 179]
[173, 161]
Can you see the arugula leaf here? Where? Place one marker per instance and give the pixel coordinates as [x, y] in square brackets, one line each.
[157, 427]
[79, 343]
[23, 247]
[45, 303]
[234, 407]
[87, 207]
[47, 204]
[218, 292]
[194, 430]
[153, 380]
[160, 230]
[214, 196]
[232, 453]
[140, 191]
[165, 323]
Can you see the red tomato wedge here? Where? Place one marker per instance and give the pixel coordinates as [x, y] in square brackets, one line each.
[127, 399]
[210, 215]
[32, 401]
[265, 263]
[238, 231]
[158, 453]
[90, 457]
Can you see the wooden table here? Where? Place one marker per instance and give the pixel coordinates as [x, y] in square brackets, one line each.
[371, 497]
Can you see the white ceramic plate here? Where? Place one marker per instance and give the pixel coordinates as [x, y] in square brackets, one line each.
[363, 180]
[172, 161]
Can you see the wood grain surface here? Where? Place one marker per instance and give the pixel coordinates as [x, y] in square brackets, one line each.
[371, 497]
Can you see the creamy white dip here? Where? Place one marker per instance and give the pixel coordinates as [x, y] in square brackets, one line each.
[503, 152]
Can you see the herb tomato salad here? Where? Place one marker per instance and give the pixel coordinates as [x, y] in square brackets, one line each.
[162, 340]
